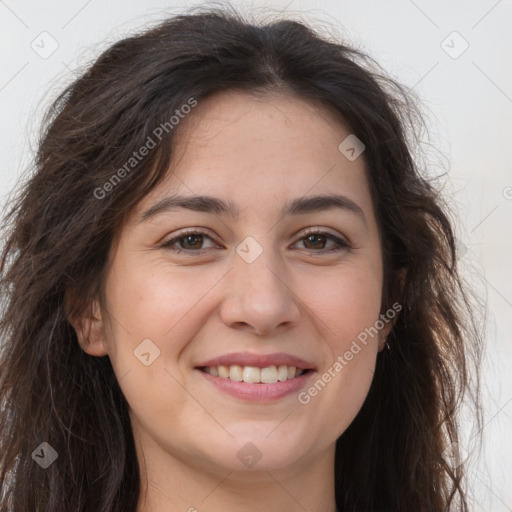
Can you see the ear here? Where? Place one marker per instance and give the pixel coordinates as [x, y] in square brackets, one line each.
[384, 332]
[393, 310]
[89, 327]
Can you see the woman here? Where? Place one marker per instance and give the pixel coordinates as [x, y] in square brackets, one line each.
[228, 285]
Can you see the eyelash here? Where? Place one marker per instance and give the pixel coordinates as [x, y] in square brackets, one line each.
[341, 245]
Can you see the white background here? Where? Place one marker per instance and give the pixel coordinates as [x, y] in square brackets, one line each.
[468, 100]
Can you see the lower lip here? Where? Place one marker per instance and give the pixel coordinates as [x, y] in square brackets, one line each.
[258, 392]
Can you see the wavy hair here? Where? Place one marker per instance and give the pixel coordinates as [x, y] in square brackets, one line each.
[400, 452]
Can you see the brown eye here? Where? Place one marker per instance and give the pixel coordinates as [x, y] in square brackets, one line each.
[191, 242]
[316, 241]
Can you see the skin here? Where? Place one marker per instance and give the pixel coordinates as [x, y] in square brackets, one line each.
[260, 152]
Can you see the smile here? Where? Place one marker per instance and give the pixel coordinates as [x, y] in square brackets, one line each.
[254, 389]
[253, 374]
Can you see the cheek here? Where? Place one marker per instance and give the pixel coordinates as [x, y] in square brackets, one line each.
[157, 301]
[347, 301]
[164, 307]
[156, 305]
[347, 306]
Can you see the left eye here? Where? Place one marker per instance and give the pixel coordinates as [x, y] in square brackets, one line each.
[314, 236]
[191, 242]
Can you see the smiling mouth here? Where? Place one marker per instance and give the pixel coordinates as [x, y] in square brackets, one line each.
[254, 374]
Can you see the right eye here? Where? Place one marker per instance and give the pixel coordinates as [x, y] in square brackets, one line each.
[189, 241]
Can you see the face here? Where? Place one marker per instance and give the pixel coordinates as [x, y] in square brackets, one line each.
[196, 294]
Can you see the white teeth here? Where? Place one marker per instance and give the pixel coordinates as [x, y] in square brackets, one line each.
[282, 373]
[223, 371]
[269, 375]
[236, 372]
[253, 374]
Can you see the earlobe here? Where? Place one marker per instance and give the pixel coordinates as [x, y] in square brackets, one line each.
[383, 336]
[390, 323]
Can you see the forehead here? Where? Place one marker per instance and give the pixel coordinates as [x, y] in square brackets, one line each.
[258, 150]
[258, 128]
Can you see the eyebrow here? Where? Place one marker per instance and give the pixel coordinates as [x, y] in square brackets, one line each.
[217, 206]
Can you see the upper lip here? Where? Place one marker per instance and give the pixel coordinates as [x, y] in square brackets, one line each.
[258, 360]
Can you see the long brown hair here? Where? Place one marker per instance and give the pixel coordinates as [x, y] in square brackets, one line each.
[400, 452]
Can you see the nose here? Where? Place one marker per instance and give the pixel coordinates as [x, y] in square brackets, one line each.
[258, 299]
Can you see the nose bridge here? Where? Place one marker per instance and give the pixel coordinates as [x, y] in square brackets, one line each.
[258, 293]
[257, 267]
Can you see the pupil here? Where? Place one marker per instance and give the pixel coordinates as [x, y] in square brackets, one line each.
[193, 237]
[313, 238]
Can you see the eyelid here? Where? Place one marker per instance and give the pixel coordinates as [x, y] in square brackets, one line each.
[183, 233]
[323, 231]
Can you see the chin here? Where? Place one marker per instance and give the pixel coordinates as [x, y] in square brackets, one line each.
[261, 451]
